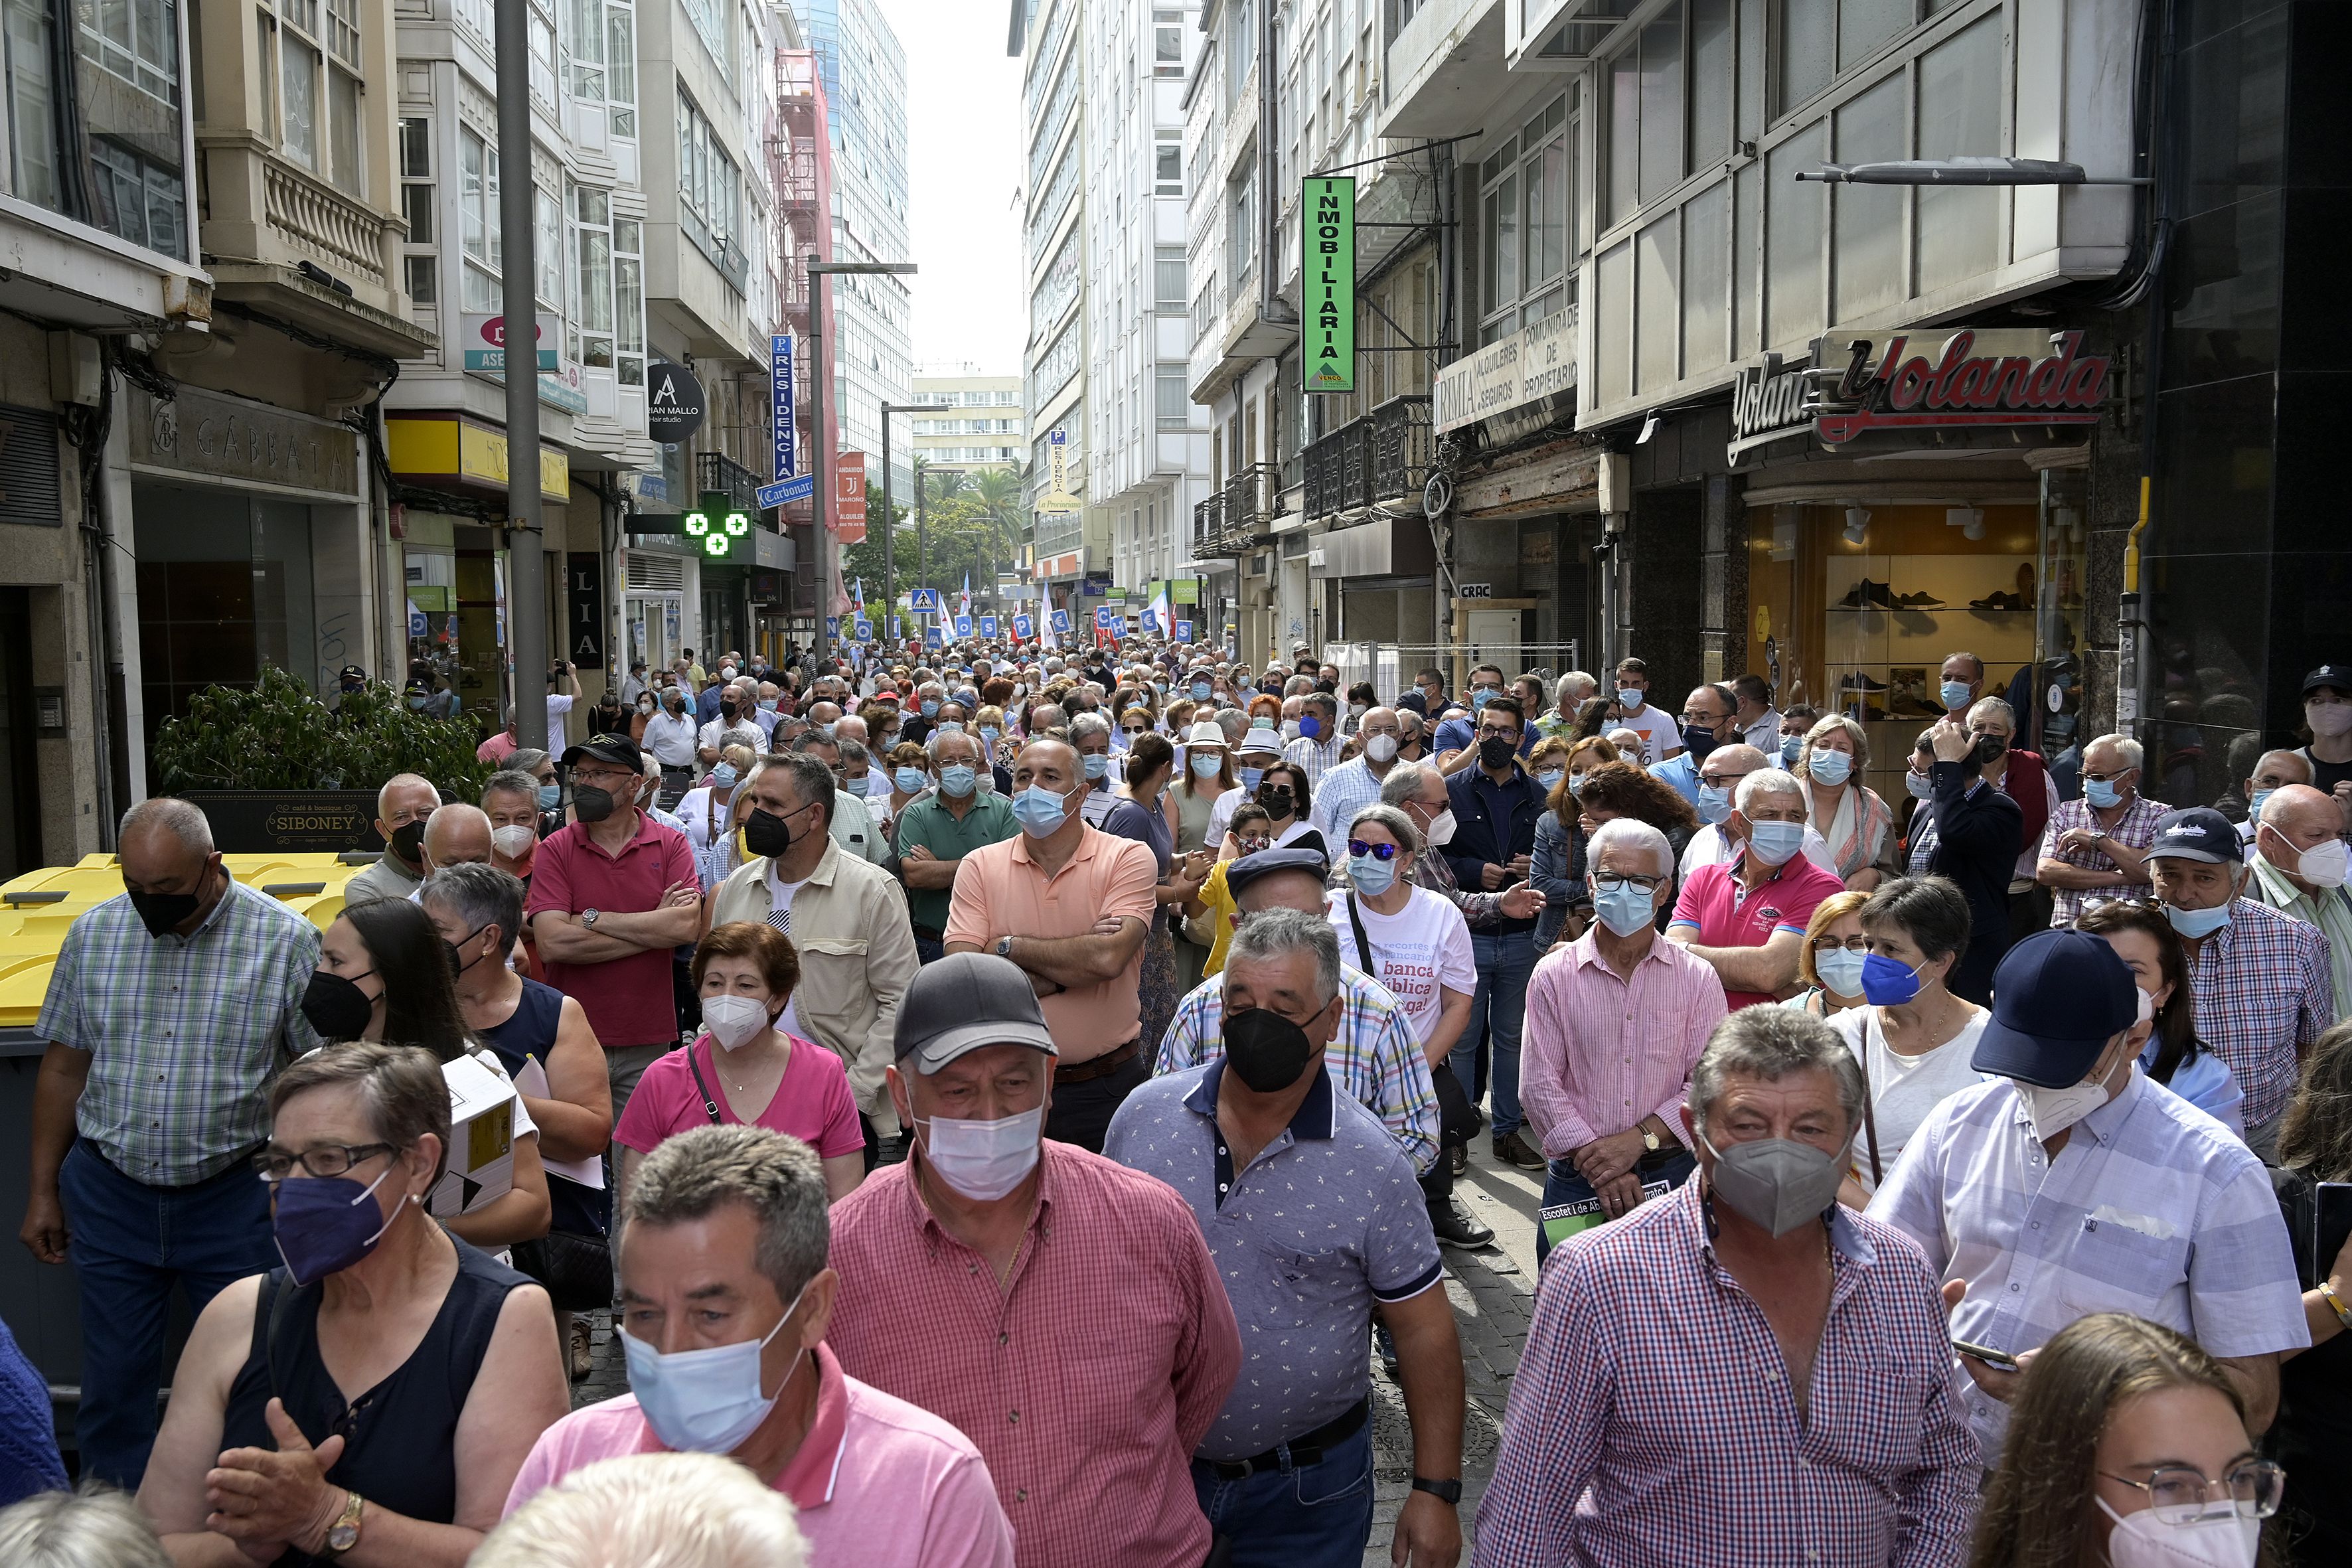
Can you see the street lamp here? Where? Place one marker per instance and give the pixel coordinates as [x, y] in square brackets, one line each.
[1964, 171]
[821, 493]
[889, 519]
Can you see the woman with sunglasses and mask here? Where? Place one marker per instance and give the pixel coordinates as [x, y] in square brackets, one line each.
[1410, 939]
[2174, 1057]
[384, 975]
[369, 1403]
[2126, 1447]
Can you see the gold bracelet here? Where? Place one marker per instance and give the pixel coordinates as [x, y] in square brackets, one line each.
[2335, 1303]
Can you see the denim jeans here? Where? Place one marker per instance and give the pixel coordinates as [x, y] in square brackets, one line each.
[1563, 1183]
[132, 1243]
[1320, 1516]
[1497, 1009]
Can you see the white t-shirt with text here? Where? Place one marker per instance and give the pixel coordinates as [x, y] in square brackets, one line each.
[1420, 951]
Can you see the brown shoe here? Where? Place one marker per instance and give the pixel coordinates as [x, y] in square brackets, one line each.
[1512, 1150]
[583, 1357]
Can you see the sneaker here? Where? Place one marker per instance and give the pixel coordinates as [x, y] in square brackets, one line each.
[1920, 601]
[1458, 1157]
[1860, 681]
[1512, 1150]
[582, 1351]
[1385, 1342]
[1455, 1227]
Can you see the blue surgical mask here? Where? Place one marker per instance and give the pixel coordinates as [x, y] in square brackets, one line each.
[768, 705]
[1480, 695]
[723, 776]
[1840, 970]
[1372, 876]
[1205, 765]
[826, 730]
[957, 780]
[1776, 843]
[1828, 765]
[1629, 698]
[1624, 909]
[1791, 749]
[1096, 764]
[2101, 793]
[705, 1401]
[1549, 778]
[2254, 807]
[989, 732]
[550, 796]
[1040, 811]
[909, 779]
[1250, 777]
[1576, 784]
[1200, 691]
[1919, 785]
[1885, 982]
[2196, 922]
[1953, 692]
[930, 707]
[1714, 802]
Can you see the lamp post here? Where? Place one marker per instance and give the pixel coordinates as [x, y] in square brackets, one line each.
[821, 492]
[889, 518]
[526, 559]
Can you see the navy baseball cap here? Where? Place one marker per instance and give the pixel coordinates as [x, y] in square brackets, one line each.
[2058, 997]
[2197, 832]
[1241, 873]
[2335, 676]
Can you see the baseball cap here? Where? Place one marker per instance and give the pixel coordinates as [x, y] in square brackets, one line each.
[2338, 675]
[2197, 832]
[353, 672]
[966, 1001]
[615, 749]
[1248, 869]
[2058, 997]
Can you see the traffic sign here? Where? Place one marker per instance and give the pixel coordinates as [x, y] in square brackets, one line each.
[924, 601]
[791, 489]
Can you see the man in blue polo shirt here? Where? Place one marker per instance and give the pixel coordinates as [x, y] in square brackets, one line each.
[1314, 1216]
[1495, 806]
[1709, 719]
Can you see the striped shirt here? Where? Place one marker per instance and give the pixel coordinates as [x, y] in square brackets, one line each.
[1317, 757]
[184, 1033]
[1346, 790]
[1602, 1051]
[2135, 828]
[1651, 1419]
[1374, 1055]
[2151, 1207]
[2262, 987]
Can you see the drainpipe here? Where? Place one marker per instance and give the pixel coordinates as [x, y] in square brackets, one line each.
[1269, 280]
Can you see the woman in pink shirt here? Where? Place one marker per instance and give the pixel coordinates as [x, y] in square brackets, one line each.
[748, 1065]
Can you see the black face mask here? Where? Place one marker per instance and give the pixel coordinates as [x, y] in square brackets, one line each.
[728, 708]
[1265, 1050]
[458, 961]
[408, 841]
[591, 804]
[1495, 752]
[1276, 800]
[765, 833]
[337, 1008]
[163, 913]
[1990, 749]
[1699, 741]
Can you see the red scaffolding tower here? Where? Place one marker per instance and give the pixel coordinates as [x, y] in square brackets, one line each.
[800, 174]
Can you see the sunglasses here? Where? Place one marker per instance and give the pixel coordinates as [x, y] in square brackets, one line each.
[1382, 852]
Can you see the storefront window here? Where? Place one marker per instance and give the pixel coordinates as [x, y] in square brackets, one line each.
[224, 592]
[94, 116]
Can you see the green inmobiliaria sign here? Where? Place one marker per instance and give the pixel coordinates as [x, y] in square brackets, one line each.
[1328, 356]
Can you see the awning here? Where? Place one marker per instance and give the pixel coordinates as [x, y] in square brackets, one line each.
[460, 451]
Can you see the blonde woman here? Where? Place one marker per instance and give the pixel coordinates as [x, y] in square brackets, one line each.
[1849, 815]
[1829, 963]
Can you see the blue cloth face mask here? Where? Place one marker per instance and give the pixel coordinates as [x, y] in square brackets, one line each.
[1372, 876]
[956, 780]
[1250, 777]
[2102, 794]
[325, 1224]
[1040, 811]
[1096, 763]
[1776, 843]
[1954, 693]
[723, 776]
[1828, 765]
[1714, 802]
[909, 779]
[2196, 922]
[1310, 727]
[1886, 983]
[1205, 765]
[550, 796]
[1841, 969]
[706, 1401]
[1626, 908]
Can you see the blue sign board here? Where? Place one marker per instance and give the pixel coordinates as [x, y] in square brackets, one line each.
[1107, 618]
[780, 374]
[924, 601]
[1183, 631]
[1061, 620]
[963, 625]
[988, 626]
[417, 624]
[864, 629]
[784, 490]
[1024, 628]
[833, 626]
[933, 638]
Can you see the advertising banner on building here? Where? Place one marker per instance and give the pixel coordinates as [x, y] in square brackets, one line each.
[1328, 246]
[780, 377]
[849, 497]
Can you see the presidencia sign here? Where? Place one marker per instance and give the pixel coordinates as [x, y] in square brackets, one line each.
[1327, 354]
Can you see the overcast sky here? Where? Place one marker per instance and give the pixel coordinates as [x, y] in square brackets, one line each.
[963, 136]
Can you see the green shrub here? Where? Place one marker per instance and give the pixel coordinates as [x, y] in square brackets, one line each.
[279, 735]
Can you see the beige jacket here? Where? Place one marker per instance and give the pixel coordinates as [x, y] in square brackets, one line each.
[857, 958]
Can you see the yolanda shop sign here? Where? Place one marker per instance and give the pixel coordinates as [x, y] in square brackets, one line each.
[1914, 382]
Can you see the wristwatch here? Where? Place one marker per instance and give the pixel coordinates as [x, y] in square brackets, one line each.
[588, 919]
[1650, 1140]
[1004, 947]
[344, 1533]
[1447, 1493]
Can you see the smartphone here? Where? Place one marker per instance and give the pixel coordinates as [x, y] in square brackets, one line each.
[2331, 1223]
[2000, 1360]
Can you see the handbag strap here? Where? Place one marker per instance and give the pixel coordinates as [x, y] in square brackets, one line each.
[1363, 942]
[708, 1104]
[1869, 1115]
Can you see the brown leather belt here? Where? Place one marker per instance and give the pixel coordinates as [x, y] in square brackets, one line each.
[1111, 1061]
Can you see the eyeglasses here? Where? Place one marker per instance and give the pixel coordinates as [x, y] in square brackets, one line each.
[327, 1160]
[1831, 944]
[1614, 881]
[2178, 1495]
[1380, 852]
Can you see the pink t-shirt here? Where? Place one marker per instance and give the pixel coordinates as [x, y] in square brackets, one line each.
[813, 1103]
[1726, 916]
[877, 1483]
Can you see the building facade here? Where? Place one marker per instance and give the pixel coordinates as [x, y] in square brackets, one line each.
[967, 420]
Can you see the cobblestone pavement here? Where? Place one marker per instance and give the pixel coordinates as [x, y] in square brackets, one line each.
[1492, 1289]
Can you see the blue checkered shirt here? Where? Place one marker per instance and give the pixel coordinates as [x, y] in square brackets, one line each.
[184, 1033]
[1374, 1055]
[1339, 795]
[2152, 1208]
[2264, 986]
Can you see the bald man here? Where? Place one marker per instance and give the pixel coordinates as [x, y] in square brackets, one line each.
[2299, 869]
[457, 835]
[2272, 770]
[402, 807]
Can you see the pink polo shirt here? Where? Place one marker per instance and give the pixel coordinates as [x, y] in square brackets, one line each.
[877, 1483]
[1726, 915]
[628, 1000]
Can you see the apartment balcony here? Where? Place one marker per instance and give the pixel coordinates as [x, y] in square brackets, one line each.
[1381, 459]
[282, 240]
[1240, 517]
[1444, 68]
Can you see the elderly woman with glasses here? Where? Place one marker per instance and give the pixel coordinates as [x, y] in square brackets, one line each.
[371, 1401]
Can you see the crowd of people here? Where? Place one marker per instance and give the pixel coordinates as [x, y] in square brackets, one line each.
[1006, 1102]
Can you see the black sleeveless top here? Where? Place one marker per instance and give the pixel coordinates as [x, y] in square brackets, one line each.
[528, 1034]
[400, 1436]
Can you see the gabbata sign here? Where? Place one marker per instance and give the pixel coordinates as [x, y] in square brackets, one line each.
[1958, 381]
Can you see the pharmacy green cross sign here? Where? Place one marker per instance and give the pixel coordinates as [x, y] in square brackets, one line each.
[1328, 249]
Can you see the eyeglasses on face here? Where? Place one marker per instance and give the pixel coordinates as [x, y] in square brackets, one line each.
[327, 1160]
[1381, 852]
[1831, 944]
[1612, 881]
[2178, 1495]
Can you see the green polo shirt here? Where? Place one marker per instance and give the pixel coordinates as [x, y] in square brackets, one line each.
[928, 823]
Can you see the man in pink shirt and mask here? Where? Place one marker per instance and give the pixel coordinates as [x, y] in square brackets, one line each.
[726, 1296]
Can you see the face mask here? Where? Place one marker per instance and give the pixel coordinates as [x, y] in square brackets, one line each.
[1496, 752]
[323, 1225]
[1372, 877]
[1921, 786]
[706, 1401]
[1954, 693]
[930, 708]
[337, 1008]
[1778, 1183]
[1575, 783]
[1380, 748]
[2196, 922]
[983, 1160]
[909, 779]
[2050, 1111]
[956, 780]
[1624, 909]
[645, 707]
[1358, 710]
[1886, 983]
[160, 912]
[1204, 767]
[1479, 697]
[1291, 728]
[1267, 1050]
[1261, 722]
[1714, 802]
[727, 710]
[416, 699]
[514, 841]
[1829, 766]
[1040, 813]
[1096, 765]
[1990, 749]
[1840, 970]
[455, 952]
[2324, 864]
[723, 776]
[1774, 843]
[768, 705]
[2213, 1541]
[1698, 740]
[1250, 777]
[1441, 829]
[1311, 726]
[989, 733]
[1549, 778]
[408, 841]
[1277, 799]
[766, 834]
[1200, 691]
[734, 1021]
[1790, 749]
[2327, 718]
[1629, 698]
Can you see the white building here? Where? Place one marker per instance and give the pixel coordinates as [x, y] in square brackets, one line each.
[967, 420]
[1067, 543]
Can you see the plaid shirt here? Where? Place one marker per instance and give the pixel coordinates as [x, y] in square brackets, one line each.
[2264, 987]
[1372, 1055]
[2151, 1208]
[184, 1033]
[1086, 1380]
[1346, 790]
[2135, 829]
[1317, 757]
[1652, 1420]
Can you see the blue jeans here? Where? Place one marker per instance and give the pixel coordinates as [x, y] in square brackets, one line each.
[1497, 1009]
[1318, 1516]
[1563, 1183]
[132, 1243]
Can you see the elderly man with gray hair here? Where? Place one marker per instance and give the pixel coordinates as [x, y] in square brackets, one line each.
[1748, 1313]
[402, 807]
[1747, 916]
[724, 1242]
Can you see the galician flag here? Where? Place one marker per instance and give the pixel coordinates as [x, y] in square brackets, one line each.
[1160, 615]
[965, 608]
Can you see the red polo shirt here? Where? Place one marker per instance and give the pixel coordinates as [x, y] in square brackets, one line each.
[628, 1000]
[1724, 913]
